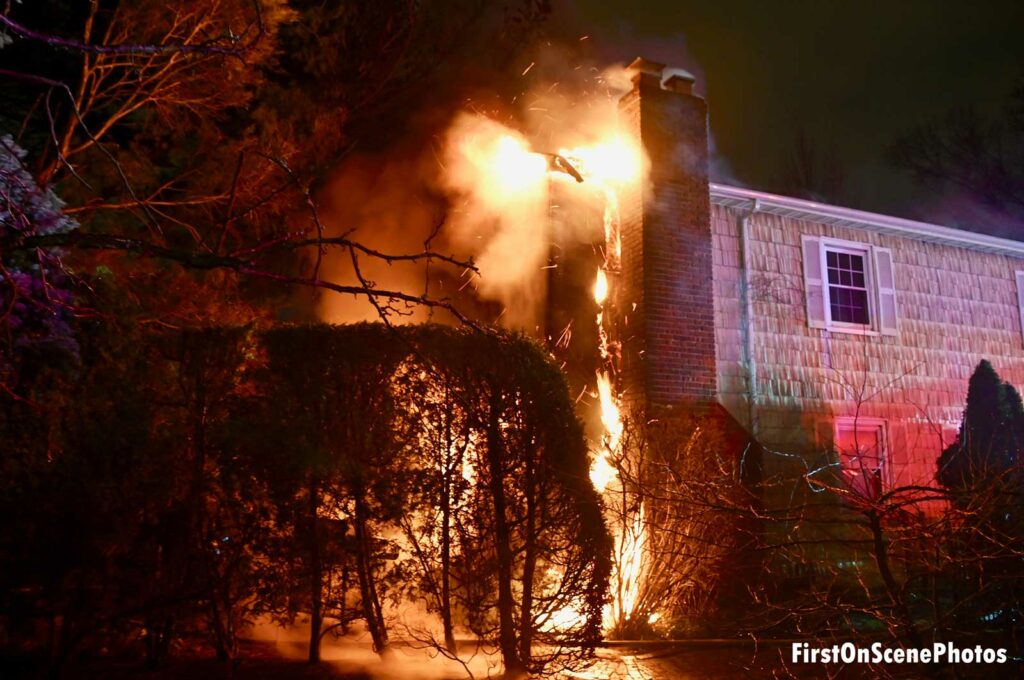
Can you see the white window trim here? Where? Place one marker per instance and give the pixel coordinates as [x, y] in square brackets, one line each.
[883, 308]
[866, 251]
[856, 422]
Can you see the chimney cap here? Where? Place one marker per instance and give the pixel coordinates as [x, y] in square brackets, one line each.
[682, 74]
[642, 65]
[678, 80]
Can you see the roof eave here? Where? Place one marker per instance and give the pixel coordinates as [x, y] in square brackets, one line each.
[784, 206]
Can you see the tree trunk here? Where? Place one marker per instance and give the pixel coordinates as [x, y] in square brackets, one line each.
[60, 647]
[315, 573]
[158, 640]
[514, 664]
[529, 563]
[372, 611]
[448, 471]
[892, 587]
[224, 640]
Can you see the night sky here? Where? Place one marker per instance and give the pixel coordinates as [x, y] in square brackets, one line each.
[854, 75]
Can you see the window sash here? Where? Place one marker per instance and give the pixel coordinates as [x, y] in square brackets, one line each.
[879, 283]
[864, 253]
[865, 468]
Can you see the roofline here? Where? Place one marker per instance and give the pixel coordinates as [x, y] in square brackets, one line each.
[784, 206]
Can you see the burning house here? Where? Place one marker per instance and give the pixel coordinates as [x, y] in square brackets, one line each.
[835, 343]
[814, 326]
[733, 353]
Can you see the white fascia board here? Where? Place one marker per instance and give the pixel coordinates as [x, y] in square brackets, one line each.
[796, 208]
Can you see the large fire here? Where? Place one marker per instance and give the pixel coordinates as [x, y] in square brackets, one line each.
[612, 162]
[503, 176]
[516, 168]
[609, 166]
[507, 169]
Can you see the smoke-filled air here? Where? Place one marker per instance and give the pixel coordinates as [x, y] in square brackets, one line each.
[503, 192]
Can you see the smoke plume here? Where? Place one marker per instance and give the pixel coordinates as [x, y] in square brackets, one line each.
[497, 192]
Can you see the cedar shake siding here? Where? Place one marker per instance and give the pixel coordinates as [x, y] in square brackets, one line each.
[956, 303]
[811, 324]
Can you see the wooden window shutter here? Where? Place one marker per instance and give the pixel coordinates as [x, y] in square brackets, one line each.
[1020, 299]
[814, 287]
[885, 282]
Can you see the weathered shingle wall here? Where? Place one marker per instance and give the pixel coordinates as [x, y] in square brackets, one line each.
[956, 307]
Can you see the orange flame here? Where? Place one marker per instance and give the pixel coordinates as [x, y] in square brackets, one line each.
[614, 161]
[611, 417]
[507, 168]
[608, 166]
[505, 175]
[630, 543]
[611, 165]
[600, 287]
[516, 168]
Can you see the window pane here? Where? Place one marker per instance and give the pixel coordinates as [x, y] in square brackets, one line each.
[849, 305]
[859, 306]
[861, 455]
[848, 298]
[857, 263]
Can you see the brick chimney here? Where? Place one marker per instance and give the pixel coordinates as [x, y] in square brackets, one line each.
[668, 335]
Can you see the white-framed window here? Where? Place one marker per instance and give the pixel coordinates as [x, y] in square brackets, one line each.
[849, 286]
[846, 278]
[861, 446]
